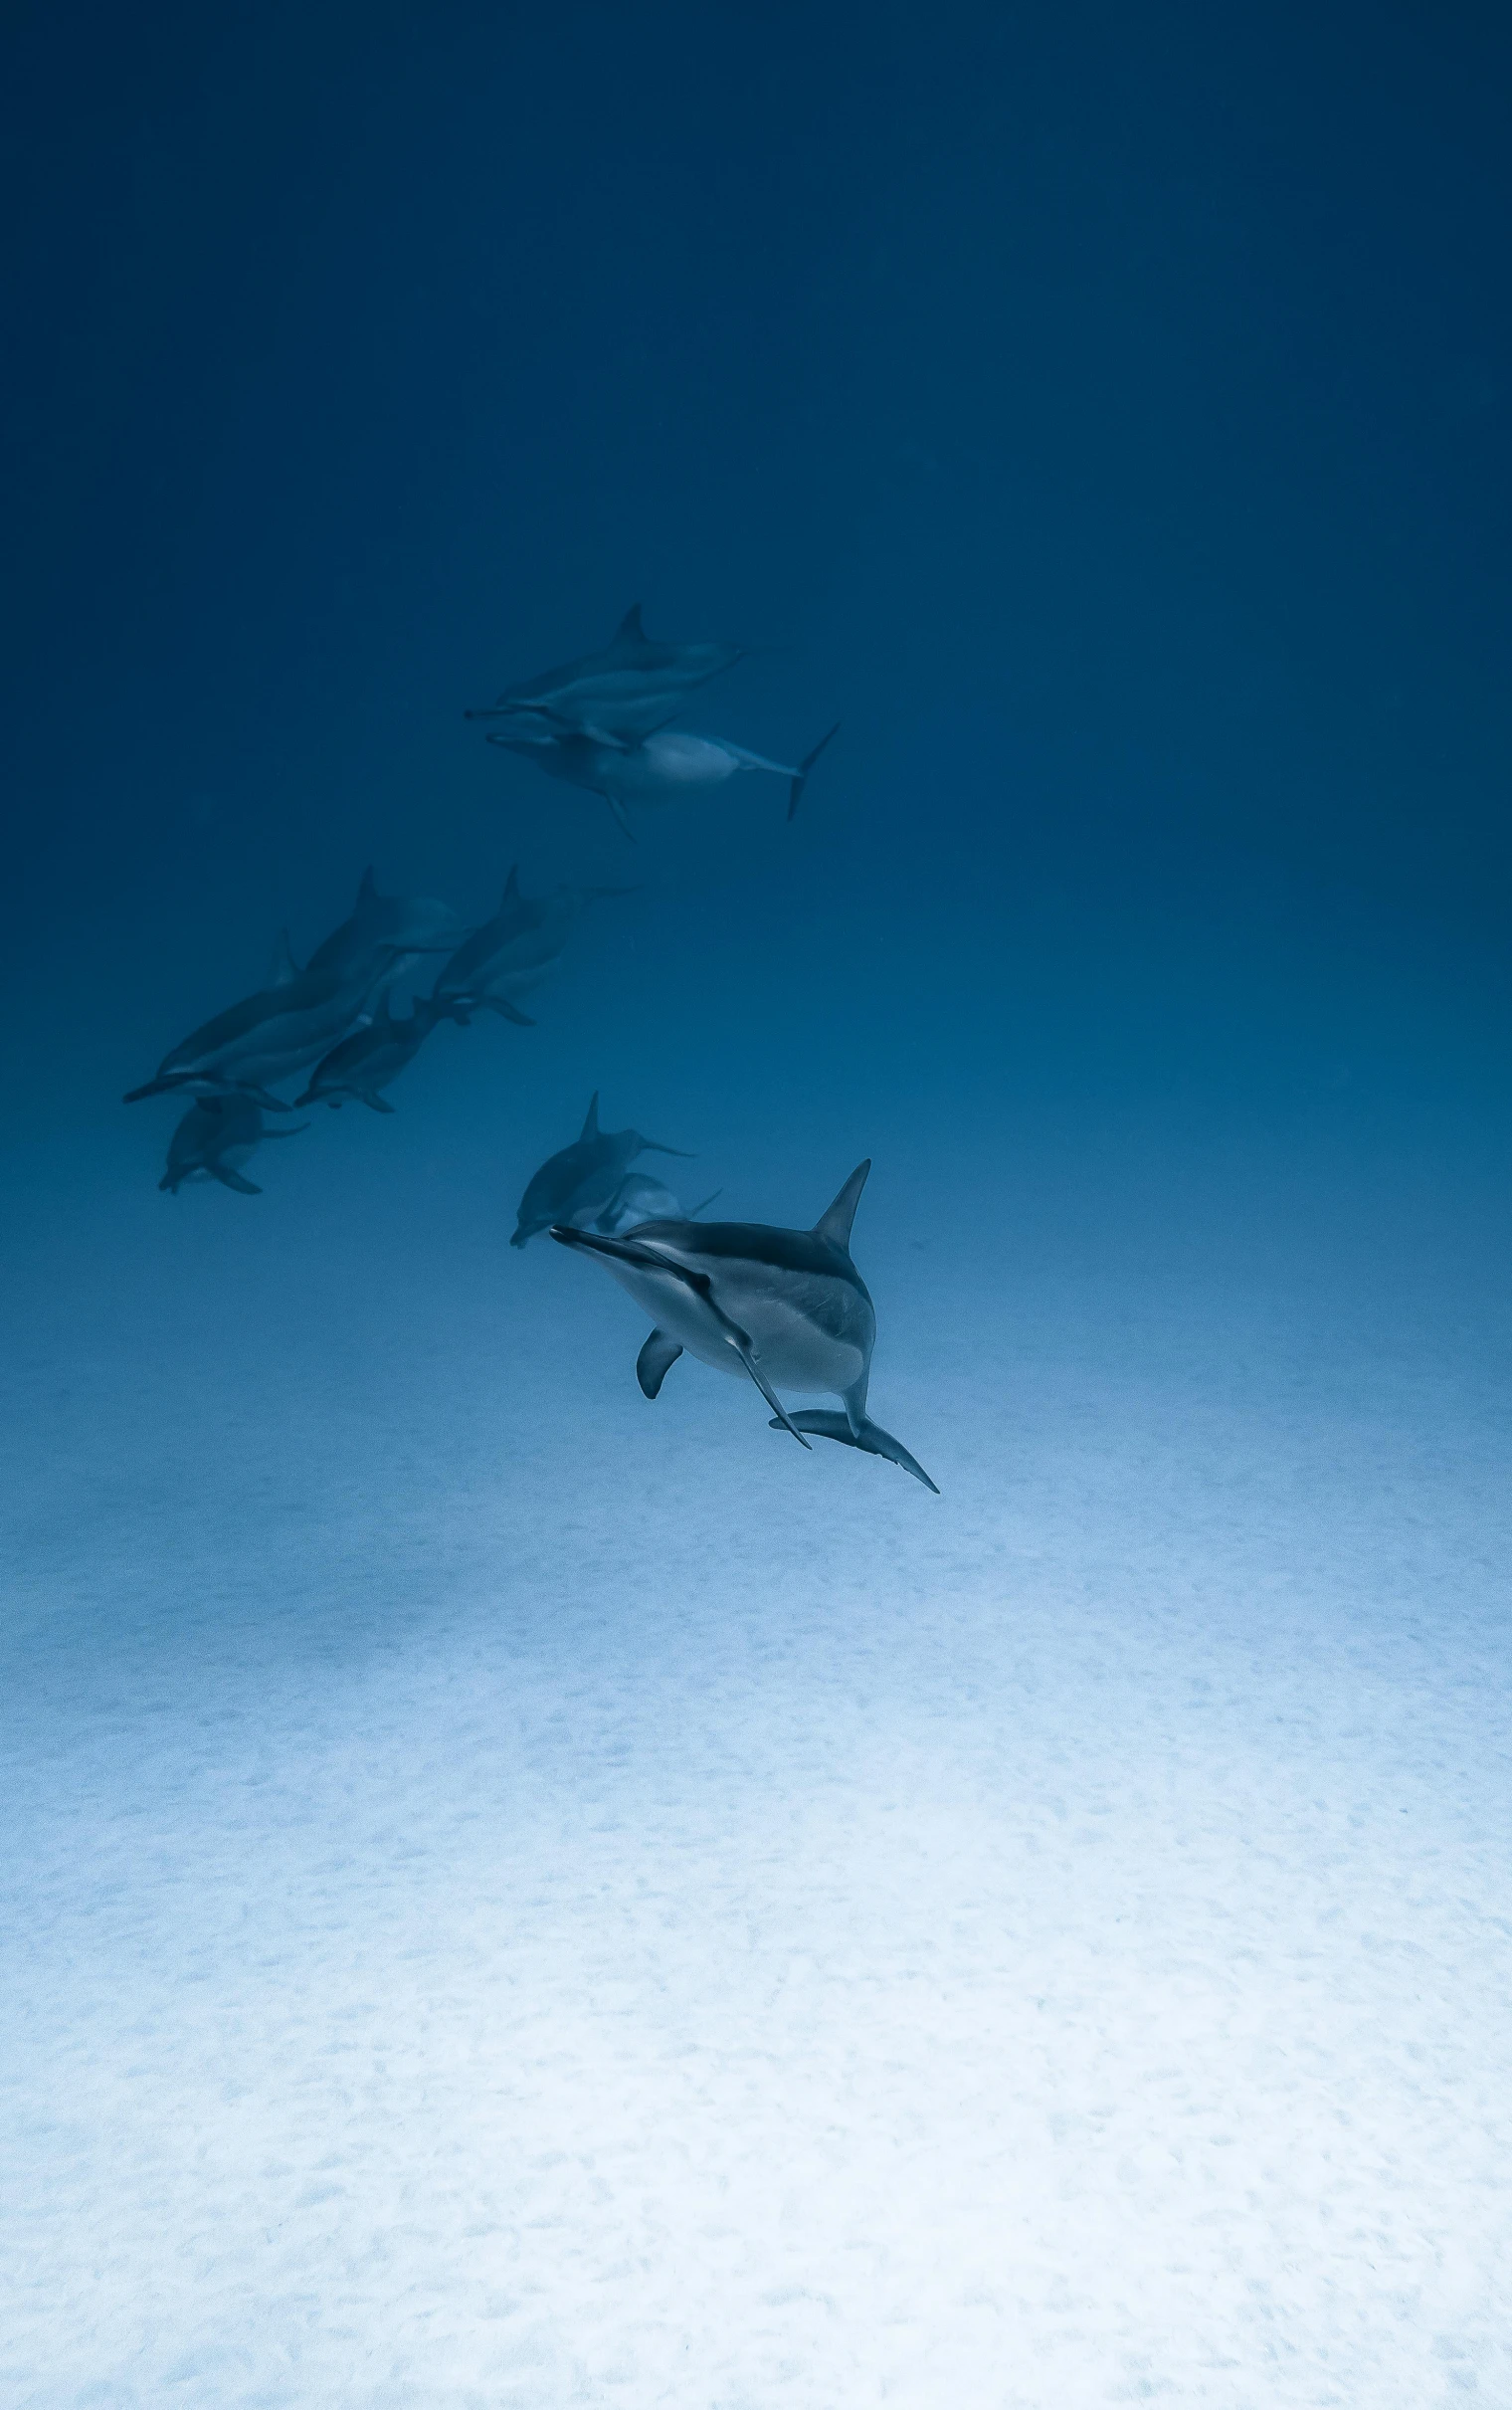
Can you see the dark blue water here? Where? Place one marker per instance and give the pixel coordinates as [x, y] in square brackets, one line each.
[517, 1895]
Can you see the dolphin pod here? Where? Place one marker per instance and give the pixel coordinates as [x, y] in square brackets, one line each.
[786, 1310]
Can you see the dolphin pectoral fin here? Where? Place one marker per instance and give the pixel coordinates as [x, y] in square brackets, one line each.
[707, 1202]
[233, 1179]
[871, 1439]
[289, 1133]
[656, 1362]
[507, 1010]
[632, 1251]
[654, 1147]
[151, 1087]
[617, 809]
[259, 1096]
[376, 1103]
[795, 792]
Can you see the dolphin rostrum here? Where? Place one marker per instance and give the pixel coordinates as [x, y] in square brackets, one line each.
[282, 1029]
[670, 765]
[398, 928]
[584, 1177]
[512, 952]
[216, 1140]
[617, 695]
[364, 1064]
[788, 1308]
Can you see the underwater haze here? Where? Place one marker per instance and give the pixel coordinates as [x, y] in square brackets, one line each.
[519, 1890]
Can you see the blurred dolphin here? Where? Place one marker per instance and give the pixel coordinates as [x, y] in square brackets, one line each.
[670, 765]
[370, 1058]
[639, 1198]
[216, 1140]
[401, 928]
[584, 1177]
[281, 1029]
[786, 1306]
[617, 695]
[512, 952]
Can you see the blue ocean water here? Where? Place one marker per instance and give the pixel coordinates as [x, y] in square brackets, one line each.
[521, 1894]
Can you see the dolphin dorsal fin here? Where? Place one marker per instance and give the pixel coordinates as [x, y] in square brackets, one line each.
[591, 1119]
[835, 1223]
[630, 629]
[511, 893]
[367, 891]
[282, 967]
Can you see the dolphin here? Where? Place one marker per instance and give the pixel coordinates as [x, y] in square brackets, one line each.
[512, 952]
[638, 1198]
[788, 1308]
[371, 1056]
[617, 695]
[670, 765]
[216, 1140]
[584, 1177]
[401, 928]
[279, 1029]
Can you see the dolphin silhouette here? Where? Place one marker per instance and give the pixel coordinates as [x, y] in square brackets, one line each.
[617, 695]
[399, 928]
[787, 1308]
[583, 1178]
[639, 1197]
[281, 1029]
[216, 1140]
[512, 952]
[670, 765]
[364, 1064]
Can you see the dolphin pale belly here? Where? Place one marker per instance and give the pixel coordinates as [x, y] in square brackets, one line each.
[785, 1308]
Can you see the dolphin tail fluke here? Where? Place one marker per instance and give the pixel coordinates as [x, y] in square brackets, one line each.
[870, 1438]
[656, 1362]
[795, 791]
[233, 1179]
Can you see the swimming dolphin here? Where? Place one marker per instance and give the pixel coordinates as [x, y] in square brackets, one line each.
[279, 1029]
[583, 1177]
[401, 928]
[216, 1140]
[370, 1058]
[786, 1306]
[638, 1198]
[670, 765]
[512, 952]
[617, 695]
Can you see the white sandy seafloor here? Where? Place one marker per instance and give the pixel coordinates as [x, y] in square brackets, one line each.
[517, 1897]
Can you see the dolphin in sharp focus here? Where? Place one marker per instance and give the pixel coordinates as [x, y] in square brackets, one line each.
[617, 695]
[583, 1178]
[785, 1307]
[670, 765]
[216, 1140]
[512, 952]
[398, 928]
[364, 1064]
[279, 1029]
